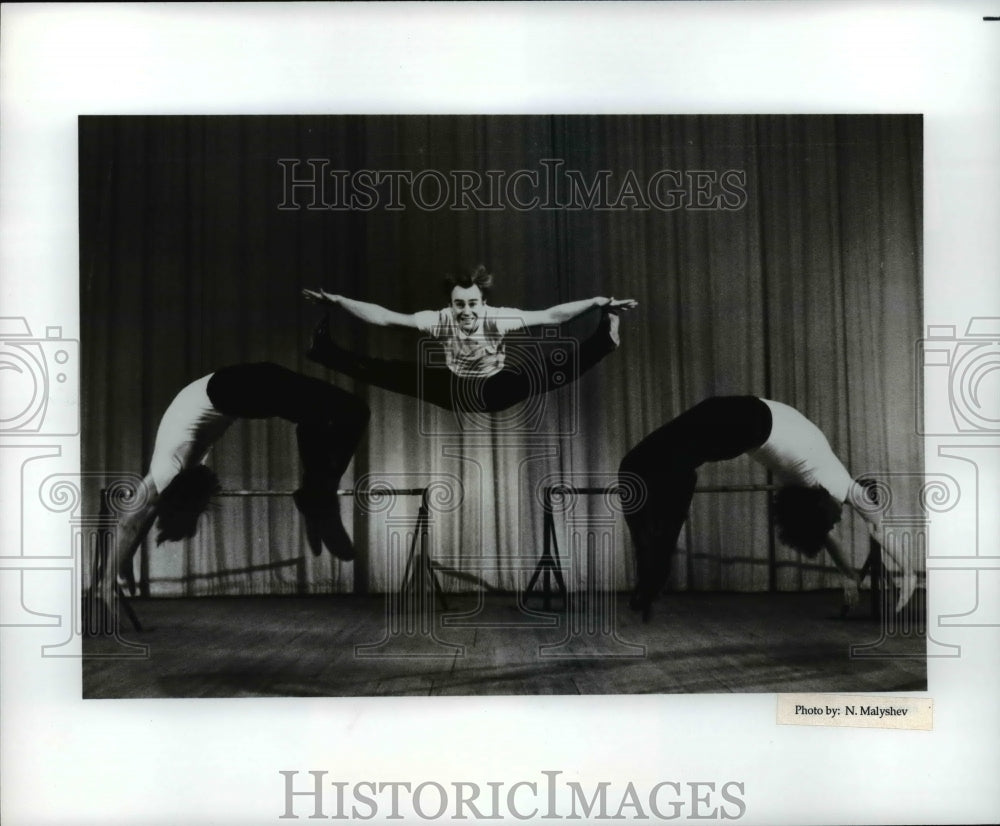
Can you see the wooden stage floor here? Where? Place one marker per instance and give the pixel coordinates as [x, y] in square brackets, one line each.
[330, 646]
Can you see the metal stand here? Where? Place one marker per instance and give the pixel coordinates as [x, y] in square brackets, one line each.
[99, 570]
[419, 565]
[548, 566]
[874, 569]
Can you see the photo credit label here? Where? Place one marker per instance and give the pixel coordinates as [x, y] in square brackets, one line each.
[856, 711]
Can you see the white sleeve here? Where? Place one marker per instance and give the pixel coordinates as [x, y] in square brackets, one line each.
[832, 475]
[508, 320]
[428, 321]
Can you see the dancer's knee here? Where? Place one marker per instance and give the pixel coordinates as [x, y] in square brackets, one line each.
[632, 466]
[355, 411]
[329, 404]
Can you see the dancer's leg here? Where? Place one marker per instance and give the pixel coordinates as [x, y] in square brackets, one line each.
[665, 487]
[129, 534]
[101, 602]
[327, 442]
[602, 342]
[664, 465]
[723, 427]
[427, 383]
[330, 423]
[548, 365]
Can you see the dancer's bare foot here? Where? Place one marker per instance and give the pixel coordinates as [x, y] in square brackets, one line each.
[642, 605]
[323, 525]
[614, 322]
[611, 312]
[321, 339]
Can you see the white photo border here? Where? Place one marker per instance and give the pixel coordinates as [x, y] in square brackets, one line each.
[219, 761]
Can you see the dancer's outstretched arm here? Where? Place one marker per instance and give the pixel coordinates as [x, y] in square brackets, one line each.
[374, 314]
[131, 530]
[101, 605]
[872, 516]
[851, 579]
[904, 566]
[561, 313]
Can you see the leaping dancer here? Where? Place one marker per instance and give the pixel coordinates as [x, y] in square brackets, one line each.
[476, 374]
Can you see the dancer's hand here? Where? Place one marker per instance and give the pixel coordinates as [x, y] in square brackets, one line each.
[851, 595]
[320, 297]
[617, 304]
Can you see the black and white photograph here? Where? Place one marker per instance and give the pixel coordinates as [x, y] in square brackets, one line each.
[509, 412]
[502, 404]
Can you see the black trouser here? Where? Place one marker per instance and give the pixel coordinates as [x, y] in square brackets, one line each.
[330, 421]
[665, 464]
[532, 367]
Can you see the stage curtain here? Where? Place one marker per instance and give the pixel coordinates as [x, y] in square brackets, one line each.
[808, 292]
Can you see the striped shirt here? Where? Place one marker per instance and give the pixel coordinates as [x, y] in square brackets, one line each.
[478, 354]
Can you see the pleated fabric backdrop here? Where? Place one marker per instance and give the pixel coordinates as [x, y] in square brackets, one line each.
[809, 292]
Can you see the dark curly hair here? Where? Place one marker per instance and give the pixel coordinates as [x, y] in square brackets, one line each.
[183, 501]
[478, 276]
[804, 516]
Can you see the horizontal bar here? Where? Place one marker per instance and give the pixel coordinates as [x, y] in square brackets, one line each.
[736, 488]
[699, 489]
[339, 492]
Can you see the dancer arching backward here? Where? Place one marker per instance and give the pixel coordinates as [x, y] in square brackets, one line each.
[476, 374]
[815, 485]
[178, 487]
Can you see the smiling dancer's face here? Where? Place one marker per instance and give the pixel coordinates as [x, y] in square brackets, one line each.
[466, 307]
